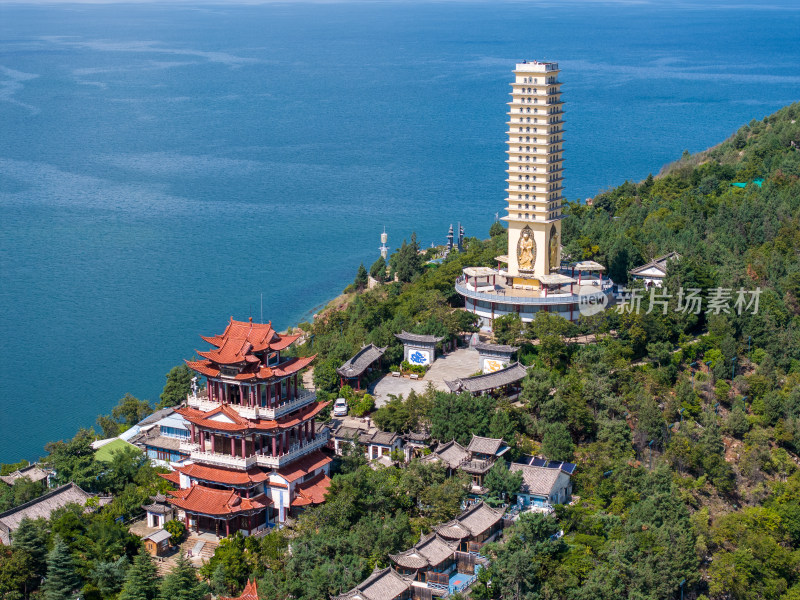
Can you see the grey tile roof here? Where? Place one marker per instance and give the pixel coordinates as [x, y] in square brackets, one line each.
[153, 438]
[452, 454]
[347, 433]
[158, 536]
[362, 359]
[410, 559]
[452, 530]
[484, 445]
[33, 472]
[380, 438]
[384, 584]
[536, 480]
[156, 416]
[496, 348]
[471, 523]
[431, 551]
[159, 509]
[416, 337]
[488, 381]
[479, 518]
[659, 263]
[436, 549]
[42, 506]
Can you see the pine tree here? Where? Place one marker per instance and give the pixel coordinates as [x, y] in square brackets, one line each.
[178, 386]
[110, 575]
[181, 583]
[361, 280]
[31, 538]
[141, 582]
[557, 442]
[61, 579]
[378, 269]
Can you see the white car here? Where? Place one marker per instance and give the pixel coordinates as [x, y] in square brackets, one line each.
[340, 407]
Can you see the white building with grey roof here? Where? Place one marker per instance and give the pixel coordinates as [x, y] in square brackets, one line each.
[542, 487]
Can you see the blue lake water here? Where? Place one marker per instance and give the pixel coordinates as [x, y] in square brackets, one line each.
[162, 166]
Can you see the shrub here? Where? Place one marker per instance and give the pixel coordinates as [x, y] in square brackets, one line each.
[176, 531]
[363, 406]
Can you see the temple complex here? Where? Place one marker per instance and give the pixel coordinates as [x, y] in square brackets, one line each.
[531, 277]
[254, 448]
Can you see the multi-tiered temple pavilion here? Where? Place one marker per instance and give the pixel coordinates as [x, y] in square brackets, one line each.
[254, 448]
[530, 278]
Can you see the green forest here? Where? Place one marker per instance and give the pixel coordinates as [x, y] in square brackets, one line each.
[685, 427]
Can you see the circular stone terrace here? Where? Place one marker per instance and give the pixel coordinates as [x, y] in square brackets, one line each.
[571, 292]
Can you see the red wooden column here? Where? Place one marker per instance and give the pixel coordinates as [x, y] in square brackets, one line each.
[286, 442]
[244, 446]
[313, 428]
[227, 527]
[274, 445]
[202, 441]
[233, 447]
[194, 434]
[213, 439]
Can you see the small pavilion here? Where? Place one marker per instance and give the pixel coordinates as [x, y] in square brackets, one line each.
[554, 282]
[479, 278]
[359, 364]
[506, 381]
[418, 349]
[588, 266]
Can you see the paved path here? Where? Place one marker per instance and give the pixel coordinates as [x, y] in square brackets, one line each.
[461, 363]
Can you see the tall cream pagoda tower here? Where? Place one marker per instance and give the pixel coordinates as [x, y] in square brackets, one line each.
[535, 172]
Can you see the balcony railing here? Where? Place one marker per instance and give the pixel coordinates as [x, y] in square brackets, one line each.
[222, 460]
[262, 460]
[295, 451]
[257, 412]
[551, 298]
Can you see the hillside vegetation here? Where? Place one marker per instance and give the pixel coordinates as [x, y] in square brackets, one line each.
[685, 427]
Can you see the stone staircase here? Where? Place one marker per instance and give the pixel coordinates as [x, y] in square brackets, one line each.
[166, 563]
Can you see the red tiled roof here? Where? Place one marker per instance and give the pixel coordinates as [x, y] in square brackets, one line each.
[250, 592]
[224, 476]
[303, 466]
[208, 501]
[284, 341]
[204, 367]
[292, 366]
[312, 491]
[172, 477]
[243, 338]
[262, 372]
[203, 419]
